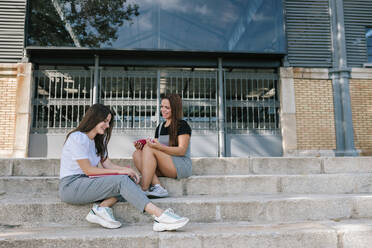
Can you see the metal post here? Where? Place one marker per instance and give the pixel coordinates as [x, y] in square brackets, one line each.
[340, 75]
[158, 98]
[221, 111]
[96, 79]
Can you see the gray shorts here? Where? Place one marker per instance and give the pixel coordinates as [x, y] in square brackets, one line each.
[183, 166]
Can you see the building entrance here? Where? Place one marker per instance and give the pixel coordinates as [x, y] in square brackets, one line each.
[249, 106]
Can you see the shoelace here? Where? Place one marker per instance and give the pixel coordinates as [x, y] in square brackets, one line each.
[171, 213]
[158, 189]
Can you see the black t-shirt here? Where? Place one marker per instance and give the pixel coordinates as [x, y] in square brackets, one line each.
[183, 128]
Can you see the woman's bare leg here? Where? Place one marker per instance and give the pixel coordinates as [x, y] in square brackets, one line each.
[156, 160]
[152, 209]
[109, 202]
[137, 160]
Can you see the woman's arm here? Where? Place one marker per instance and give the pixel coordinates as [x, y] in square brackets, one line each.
[108, 164]
[88, 169]
[180, 150]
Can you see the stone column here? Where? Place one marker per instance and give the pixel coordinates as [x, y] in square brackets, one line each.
[23, 110]
[288, 111]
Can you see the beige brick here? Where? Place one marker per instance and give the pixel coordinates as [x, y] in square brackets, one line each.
[314, 114]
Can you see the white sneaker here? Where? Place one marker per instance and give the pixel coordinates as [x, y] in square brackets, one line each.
[157, 191]
[169, 221]
[102, 216]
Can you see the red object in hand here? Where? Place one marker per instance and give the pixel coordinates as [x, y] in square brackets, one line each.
[142, 141]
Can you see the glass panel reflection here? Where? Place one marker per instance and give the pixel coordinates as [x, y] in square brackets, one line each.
[369, 44]
[209, 25]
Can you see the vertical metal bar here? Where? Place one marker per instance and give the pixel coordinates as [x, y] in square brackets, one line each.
[157, 97]
[73, 100]
[258, 83]
[193, 99]
[241, 102]
[146, 82]
[48, 103]
[221, 114]
[96, 75]
[270, 102]
[177, 78]
[264, 103]
[247, 99]
[236, 102]
[128, 99]
[205, 101]
[201, 78]
[123, 101]
[133, 106]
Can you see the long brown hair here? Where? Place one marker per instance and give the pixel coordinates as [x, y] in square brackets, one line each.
[176, 115]
[94, 115]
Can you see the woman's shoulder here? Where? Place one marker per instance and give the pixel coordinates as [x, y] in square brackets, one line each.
[79, 137]
[184, 123]
[184, 127]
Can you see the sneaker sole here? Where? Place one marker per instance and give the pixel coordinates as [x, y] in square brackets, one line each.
[94, 219]
[160, 227]
[151, 195]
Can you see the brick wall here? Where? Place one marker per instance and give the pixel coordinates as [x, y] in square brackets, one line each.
[361, 105]
[15, 105]
[8, 91]
[315, 124]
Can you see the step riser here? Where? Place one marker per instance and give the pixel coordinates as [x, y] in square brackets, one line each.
[319, 239]
[293, 209]
[223, 185]
[212, 166]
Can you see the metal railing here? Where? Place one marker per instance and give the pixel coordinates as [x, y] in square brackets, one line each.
[61, 98]
[133, 97]
[251, 102]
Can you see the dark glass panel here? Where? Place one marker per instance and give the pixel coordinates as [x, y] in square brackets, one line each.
[208, 25]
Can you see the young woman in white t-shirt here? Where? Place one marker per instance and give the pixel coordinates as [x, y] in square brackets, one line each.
[85, 147]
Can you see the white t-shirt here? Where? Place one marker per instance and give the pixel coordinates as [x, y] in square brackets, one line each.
[77, 146]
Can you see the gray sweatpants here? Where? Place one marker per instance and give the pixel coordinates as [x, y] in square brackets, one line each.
[80, 189]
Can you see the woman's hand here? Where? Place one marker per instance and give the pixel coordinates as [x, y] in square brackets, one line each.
[153, 143]
[138, 145]
[131, 173]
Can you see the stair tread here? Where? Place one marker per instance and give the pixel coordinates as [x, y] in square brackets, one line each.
[35, 198]
[91, 231]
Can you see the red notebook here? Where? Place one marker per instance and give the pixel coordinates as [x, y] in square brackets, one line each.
[103, 175]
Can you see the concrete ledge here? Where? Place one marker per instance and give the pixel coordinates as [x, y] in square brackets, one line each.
[347, 164]
[310, 73]
[361, 73]
[214, 166]
[36, 210]
[196, 235]
[223, 185]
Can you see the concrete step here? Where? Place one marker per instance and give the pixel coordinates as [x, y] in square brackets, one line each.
[325, 234]
[223, 185]
[35, 210]
[213, 166]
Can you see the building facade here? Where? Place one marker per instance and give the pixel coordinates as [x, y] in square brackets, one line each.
[257, 78]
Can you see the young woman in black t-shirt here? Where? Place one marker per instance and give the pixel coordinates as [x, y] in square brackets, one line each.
[169, 153]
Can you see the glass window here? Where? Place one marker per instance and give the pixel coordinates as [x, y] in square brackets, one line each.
[208, 25]
[369, 44]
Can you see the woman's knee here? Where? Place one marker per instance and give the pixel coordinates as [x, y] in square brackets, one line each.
[147, 150]
[137, 155]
